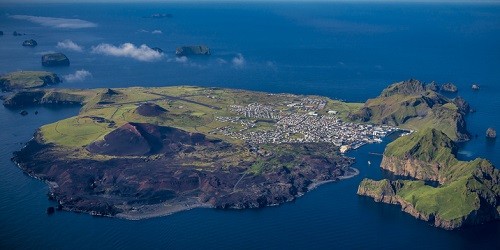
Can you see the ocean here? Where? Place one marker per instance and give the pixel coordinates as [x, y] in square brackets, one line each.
[347, 51]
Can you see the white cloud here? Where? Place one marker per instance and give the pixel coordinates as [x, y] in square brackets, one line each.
[56, 22]
[271, 64]
[152, 32]
[41, 53]
[141, 53]
[221, 61]
[238, 61]
[69, 45]
[181, 59]
[78, 76]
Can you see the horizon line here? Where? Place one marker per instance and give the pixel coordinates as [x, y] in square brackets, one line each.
[246, 1]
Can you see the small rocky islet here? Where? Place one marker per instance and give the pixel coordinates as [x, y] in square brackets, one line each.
[193, 50]
[449, 87]
[55, 59]
[15, 33]
[491, 133]
[30, 43]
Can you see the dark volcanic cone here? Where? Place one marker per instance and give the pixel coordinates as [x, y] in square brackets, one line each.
[111, 92]
[150, 110]
[125, 140]
[140, 139]
[109, 96]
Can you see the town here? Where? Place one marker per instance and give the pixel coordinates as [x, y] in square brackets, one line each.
[298, 122]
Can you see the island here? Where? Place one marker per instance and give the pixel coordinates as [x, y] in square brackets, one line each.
[30, 43]
[192, 50]
[491, 133]
[138, 152]
[446, 192]
[159, 15]
[157, 49]
[27, 80]
[55, 59]
[449, 87]
[143, 152]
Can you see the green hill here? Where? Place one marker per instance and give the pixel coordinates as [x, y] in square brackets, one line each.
[414, 105]
[27, 80]
[468, 192]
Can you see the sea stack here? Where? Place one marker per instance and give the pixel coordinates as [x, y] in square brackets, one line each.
[491, 133]
[30, 43]
[55, 59]
[449, 87]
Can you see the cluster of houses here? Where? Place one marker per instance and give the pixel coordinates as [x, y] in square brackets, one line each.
[299, 124]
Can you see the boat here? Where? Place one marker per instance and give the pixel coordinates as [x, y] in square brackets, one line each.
[369, 163]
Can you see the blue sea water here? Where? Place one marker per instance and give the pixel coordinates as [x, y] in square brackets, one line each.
[348, 51]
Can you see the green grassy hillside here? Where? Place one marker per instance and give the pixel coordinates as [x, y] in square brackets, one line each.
[27, 80]
[413, 105]
[468, 186]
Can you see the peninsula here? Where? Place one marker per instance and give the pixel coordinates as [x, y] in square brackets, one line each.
[415, 105]
[441, 189]
[467, 193]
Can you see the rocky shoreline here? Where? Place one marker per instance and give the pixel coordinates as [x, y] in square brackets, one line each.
[100, 187]
[467, 194]
[165, 209]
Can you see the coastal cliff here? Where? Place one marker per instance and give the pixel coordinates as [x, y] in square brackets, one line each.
[414, 105]
[468, 192]
[27, 80]
[43, 97]
[423, 155]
